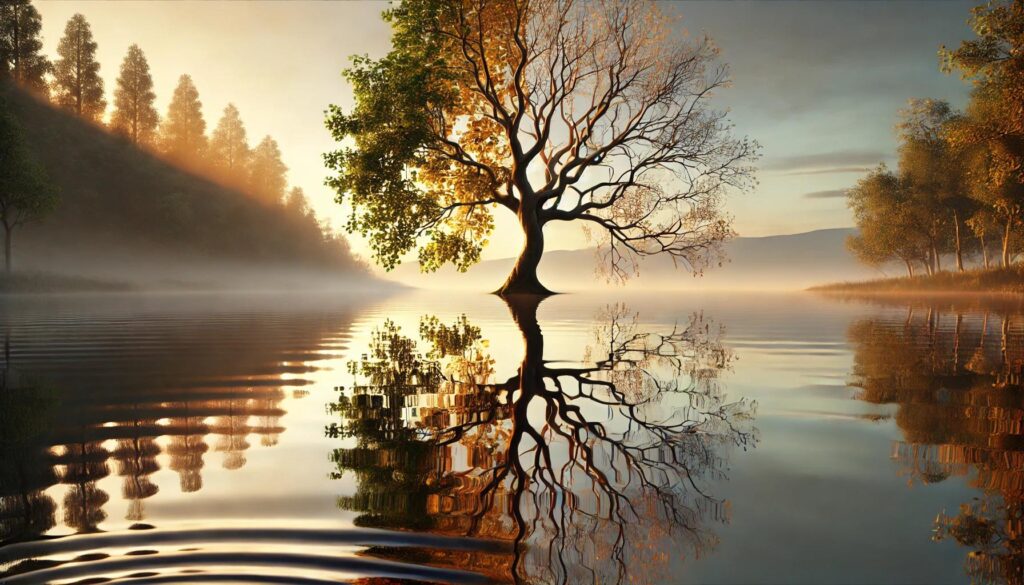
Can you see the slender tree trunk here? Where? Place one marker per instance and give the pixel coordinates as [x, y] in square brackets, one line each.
[984, 252]
[1006, 243]
[523, 279]
[7, 248]
[936, 259]
[910, 268]
[959, 250]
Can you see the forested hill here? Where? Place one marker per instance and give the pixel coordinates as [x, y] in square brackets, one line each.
[127, 215]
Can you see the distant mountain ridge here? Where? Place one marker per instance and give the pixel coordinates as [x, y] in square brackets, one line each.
[781, 262]
[127, 215]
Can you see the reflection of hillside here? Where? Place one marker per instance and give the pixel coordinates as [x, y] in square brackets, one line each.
[591, 472]
[118, 385]
[956, 379]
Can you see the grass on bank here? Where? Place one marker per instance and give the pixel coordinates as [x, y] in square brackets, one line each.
[979, 280]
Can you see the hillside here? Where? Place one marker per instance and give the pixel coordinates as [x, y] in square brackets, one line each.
[769, 263]
[128, 216]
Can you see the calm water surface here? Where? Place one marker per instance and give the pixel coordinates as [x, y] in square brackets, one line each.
[720, 438]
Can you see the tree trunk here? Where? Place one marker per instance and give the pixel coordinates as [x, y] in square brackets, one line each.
[959, 251]
[523, 279]
[7, 249]
[910, 268]
[936, 259]
[984, 252]
[1006, 243]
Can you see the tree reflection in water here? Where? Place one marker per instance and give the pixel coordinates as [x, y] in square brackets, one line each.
[956, 379]
[594, 473]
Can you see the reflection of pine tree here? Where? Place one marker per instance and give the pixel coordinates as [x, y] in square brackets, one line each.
[269, 426]
[85, 463]
[233, 428]
[136, 457]
[960, 408]
[186, 449]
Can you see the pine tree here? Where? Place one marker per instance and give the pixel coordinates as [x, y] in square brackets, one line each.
[184, 130]
[134, 115]
[229, 148]
[76, 74]
[267, 172]
[297, 203]
[20, 44]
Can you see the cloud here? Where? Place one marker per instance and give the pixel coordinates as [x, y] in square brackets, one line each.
[840, 160]
[827, 194]
[831, 170]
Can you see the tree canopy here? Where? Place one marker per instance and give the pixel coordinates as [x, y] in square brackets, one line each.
[883, 211]
[554, 110]
[26, 195]
[20, 44]
[960, 173]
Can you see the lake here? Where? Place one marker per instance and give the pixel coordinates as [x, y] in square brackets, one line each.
[422, 437]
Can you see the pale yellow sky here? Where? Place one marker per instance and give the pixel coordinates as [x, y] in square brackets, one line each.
[818, 84]
[279, 62]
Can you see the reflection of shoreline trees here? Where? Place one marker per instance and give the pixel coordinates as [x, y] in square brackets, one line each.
[202, 386]
[956, 379]
[593, 473]
[25, 469]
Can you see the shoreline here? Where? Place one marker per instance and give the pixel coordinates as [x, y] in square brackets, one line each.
[1006, 282]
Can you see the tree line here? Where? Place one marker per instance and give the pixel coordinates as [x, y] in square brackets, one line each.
[72, 82]
[958, 189]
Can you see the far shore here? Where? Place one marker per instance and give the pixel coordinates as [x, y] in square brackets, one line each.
[977, 281]
[43, 283]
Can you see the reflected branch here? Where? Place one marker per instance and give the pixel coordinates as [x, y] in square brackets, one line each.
[591, 471]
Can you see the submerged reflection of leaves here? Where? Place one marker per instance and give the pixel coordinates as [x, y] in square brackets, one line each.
[594, 472]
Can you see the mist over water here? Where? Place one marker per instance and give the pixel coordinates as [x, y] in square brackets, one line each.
[451, 438]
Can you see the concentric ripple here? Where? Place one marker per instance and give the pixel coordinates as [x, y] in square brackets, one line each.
[242, 555]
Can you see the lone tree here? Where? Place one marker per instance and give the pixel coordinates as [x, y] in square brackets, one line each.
[76, 74]
[555, 110]
[134, 114]
[26, 195]
[21, 56]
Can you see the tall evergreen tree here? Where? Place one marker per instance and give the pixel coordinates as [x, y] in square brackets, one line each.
[76, 74]
[267, 171]
[184, 130]
[20, 44]
[229, 147]
[297, 204]
[134, 114]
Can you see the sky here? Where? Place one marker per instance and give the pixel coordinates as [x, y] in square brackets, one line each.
[817, 84]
